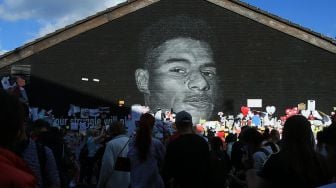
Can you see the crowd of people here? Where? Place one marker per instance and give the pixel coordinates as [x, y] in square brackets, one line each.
[35, 154]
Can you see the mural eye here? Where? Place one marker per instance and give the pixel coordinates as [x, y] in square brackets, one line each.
[209, 73]
[178, 70]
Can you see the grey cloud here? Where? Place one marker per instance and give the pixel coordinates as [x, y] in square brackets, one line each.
[52, 14]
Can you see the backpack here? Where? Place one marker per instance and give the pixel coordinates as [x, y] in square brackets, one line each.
[273, 146]
[265, 151]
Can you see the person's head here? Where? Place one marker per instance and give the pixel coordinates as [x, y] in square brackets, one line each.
[20, 81]
[252, 138]
[143, 137]
[231, 138]
[183, 122]
[266, 133]
[199, 129]
[242, 129]
[297, 133]
[179, 70]
[89, 132]
[330, 141]
[298, 145]
[275, 135]
[117, 128]
[11, 119]
[320, 137]
[40, 126]
[216, 143]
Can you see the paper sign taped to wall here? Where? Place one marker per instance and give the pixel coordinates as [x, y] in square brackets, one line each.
[256, 103]
[301, 106]
[5, 83]
[311, 105]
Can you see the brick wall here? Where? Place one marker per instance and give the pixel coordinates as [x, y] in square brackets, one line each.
[254, 61]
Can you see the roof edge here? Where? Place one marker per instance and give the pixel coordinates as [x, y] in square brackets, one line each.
[72, 30]
[130, 6]
[280, 24]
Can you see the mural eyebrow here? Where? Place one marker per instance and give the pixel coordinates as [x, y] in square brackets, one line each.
[209, 64]
[173, 60]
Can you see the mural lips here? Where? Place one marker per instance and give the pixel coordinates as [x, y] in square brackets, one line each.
[198, 101]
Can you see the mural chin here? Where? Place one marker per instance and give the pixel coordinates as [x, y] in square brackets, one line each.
[198, 112]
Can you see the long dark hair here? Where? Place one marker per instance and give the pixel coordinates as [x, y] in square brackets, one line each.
[298, 148]
[143, 137]
[11, 119]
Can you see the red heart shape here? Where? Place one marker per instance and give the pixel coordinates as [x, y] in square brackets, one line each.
[244, 110]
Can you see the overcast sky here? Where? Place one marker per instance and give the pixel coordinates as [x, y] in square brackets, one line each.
[24, 20]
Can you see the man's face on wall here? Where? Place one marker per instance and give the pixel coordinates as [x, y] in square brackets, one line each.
[181, 76]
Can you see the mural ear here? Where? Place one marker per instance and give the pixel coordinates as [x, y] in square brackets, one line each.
[141, 78]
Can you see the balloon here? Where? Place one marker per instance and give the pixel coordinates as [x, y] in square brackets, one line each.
[244, 110]
[270, 109]
[221, 134]
[293, 111]
[256, 120]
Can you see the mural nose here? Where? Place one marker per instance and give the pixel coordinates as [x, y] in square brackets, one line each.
[198, 82]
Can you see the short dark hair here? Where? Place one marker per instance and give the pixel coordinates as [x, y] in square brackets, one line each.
[117, 128]
[216, 143]
[11, 118]
[183, 125]
[41, 123]
[167, 28]
[251, 135]
[330, 135]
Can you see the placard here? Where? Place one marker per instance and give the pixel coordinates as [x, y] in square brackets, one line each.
[311, 105]
[256, 103]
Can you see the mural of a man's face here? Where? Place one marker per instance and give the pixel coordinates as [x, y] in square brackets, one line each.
[182, 76]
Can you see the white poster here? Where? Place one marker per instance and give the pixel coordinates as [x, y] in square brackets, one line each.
[5, 83]
[256, 103]
[311, 105]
